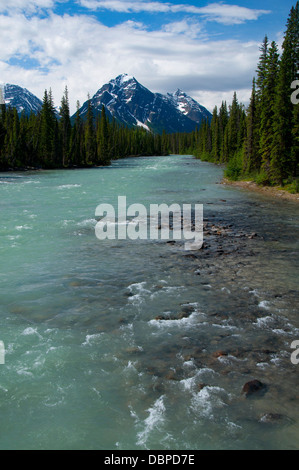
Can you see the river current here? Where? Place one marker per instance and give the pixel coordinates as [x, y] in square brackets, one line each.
[140, 344]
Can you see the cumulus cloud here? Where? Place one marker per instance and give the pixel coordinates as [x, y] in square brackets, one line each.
[29, 6]
[82, 53]
[189, 27]
[219, 12]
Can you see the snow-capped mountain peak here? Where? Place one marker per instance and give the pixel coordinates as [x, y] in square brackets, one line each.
[19, 98]
[123, 79]
[188, 106]
[132, 104]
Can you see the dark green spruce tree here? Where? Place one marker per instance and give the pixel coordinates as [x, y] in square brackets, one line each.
[267, 112]
[103, 150]
[251, 158]
[89, 136]
[65, 128]
[284, 160]
[46, 143]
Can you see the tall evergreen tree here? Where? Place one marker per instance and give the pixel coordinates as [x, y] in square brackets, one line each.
[283, 159]
[103, 139]
[262, 68]
[77, 148]
[266, 130]
[89, 136]
[215, 153]
[65, 128]
[251, 160]
[47, 145]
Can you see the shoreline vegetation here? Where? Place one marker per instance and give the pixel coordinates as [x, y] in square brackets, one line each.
[259, 146]
[260, 143]
[273, 191]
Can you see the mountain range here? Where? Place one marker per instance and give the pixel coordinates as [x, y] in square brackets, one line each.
[129, 102]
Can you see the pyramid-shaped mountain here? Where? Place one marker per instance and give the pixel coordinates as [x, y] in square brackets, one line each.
[132, 104]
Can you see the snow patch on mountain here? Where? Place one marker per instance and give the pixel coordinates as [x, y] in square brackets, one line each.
[132, 104]
[19, 98]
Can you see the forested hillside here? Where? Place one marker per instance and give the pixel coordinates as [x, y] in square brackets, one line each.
[262, 141]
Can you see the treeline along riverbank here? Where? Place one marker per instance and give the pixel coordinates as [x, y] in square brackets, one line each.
[49, 141]
[260, 143]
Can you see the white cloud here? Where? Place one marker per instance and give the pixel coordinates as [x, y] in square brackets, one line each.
[219, 12]
[230, 14]
[29, 6]
[188, 27]
[80, 52]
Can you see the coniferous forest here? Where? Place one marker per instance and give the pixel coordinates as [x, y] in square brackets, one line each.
[262, 141]
[48, 140]
[259, 143]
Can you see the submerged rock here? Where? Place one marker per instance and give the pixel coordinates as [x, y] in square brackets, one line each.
[271, 418]
[254, 387]
[201, 386]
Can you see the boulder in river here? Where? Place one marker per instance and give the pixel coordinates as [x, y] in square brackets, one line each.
[254, 387]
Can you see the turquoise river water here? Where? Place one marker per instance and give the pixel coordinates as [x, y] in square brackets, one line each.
[123, 344]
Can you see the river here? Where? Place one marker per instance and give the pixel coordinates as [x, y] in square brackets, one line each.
[139, 344]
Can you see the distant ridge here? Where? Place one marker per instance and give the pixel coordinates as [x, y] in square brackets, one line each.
[129, 102]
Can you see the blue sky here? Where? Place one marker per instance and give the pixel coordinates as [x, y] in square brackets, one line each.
[209, 49]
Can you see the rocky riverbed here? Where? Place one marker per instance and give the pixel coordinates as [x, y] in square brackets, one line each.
[241, 333]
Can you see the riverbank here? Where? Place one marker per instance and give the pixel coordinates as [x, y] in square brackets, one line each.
[274, 191]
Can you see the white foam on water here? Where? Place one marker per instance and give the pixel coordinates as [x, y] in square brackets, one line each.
[277, 325]
[262, 365]
[225, 326]
[281, 332]
[31, 331]
[233, 427]
[67, 222]
[139, 286]
[87, 223]
[226, 290]
[69, 186]
[13, 237]
[139, 292]
[208, 399]
[185, 322]
[31, 182]
[265, 304]
[25, 372]
[153, 422]
[253, 292]
[92, 338]
[23, 227]
[53, 348]
[191, 382]
[130, 367]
